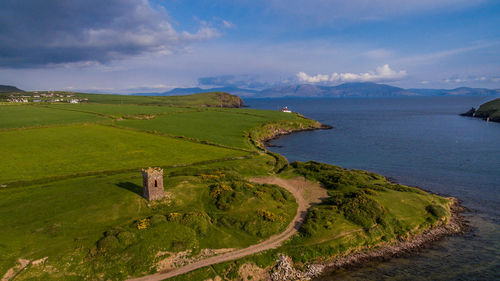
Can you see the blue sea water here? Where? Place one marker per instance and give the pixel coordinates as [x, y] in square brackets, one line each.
[418, 141]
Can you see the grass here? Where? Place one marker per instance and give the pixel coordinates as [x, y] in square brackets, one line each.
[120, 110]
[216, 99]
[67, 221]
[333, 228]
[23, 116]
[224, 127]
[66, 150]
[70, 189]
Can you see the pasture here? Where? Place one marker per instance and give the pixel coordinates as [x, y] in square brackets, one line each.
[70, 189]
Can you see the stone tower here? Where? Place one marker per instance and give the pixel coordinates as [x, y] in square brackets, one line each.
[152, 183]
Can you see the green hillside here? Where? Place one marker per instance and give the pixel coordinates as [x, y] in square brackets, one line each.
[8, 89]
[71, 190]
[490, 110]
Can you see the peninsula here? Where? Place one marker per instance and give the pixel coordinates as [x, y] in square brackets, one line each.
[72, 204]
[489, 111]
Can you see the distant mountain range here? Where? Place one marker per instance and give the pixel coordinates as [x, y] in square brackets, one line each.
[307, 90]
[344, 90]
[196, 90]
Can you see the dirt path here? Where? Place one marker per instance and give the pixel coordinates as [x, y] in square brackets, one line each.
[306, 193]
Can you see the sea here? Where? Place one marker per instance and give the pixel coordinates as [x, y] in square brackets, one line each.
[417, 141]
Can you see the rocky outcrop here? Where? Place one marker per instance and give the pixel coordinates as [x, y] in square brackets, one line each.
[469, 113]
[261, 135]
[284, 270]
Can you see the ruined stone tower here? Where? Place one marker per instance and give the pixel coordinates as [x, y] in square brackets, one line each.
[152, 183]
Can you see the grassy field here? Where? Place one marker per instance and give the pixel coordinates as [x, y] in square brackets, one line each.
[121, 110]
[66, 150]
[225, 127]
[25, 116]
[70, 189]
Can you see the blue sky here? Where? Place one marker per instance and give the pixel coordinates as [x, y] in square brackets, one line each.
[128, 46]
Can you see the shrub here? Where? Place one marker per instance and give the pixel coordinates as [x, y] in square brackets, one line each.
[143, 224]
[126, 238]
[197, 221]
[174, 216]
[157, 219]
[358, 208]
[437, 211]
[108, 243]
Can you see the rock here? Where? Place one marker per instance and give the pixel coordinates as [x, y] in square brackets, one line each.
[469, 113]
[284, 270]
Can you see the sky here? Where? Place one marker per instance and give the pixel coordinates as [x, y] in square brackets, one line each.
[127, 46]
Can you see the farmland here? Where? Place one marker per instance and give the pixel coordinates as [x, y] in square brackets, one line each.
[71, 190]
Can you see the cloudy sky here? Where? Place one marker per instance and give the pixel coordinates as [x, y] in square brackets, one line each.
[125, 46]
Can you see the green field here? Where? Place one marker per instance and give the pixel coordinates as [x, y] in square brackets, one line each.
[225, 127]
[71, 186]
[25, 116]
[66, 150]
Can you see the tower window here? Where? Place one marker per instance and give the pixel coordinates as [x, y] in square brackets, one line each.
[156, 183]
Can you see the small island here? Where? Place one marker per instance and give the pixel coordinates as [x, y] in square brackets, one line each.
[76, 199]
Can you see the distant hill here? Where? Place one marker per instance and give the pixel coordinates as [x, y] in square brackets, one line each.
[8, 89]
[196, 90]
[343, 90]
[462, 91]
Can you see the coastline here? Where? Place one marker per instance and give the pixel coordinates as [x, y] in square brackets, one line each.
[455, 225]
[279, 131]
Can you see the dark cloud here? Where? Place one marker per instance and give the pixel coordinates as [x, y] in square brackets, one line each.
[241, 81]
[35, 32]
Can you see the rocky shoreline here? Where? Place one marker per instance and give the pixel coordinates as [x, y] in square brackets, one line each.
[283, 132]
[284, 270]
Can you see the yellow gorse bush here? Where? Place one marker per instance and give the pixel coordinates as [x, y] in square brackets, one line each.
[174, 216]
[219, 188]
[208, 177]
[143, 224]
[269, 216]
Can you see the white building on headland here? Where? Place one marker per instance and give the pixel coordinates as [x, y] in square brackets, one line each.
[285, 109]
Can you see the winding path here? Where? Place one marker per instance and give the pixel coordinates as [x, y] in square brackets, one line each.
[294, 187]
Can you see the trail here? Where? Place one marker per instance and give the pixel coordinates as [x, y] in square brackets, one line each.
[297, 187]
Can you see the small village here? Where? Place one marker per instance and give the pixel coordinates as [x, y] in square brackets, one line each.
[52, 97]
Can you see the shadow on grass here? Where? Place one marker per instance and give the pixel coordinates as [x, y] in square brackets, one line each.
[130, 186]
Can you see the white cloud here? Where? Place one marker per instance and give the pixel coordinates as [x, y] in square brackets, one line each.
[85, 31]
[227, 24]
[381, 74]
